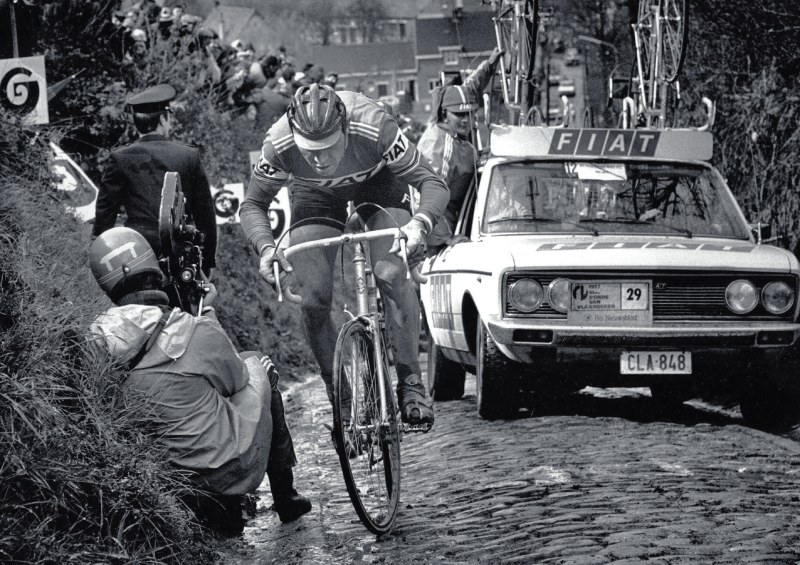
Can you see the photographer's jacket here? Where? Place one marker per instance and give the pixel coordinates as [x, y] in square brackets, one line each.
[133, 178]
[210, 406]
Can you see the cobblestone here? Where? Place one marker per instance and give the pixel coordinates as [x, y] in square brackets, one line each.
[601, 481]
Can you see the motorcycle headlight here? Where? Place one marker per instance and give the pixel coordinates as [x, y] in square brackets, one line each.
[777, 297]
[558, 293]
[525, 295]
[741, 297]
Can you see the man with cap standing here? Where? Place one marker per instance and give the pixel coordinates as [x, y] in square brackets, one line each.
[134, 176]
[446, 143]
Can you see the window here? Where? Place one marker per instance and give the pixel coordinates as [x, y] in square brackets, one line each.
[433, 83]
[383, 88]
[450, 58]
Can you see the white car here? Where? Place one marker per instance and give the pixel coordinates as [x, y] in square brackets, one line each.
[610, 258]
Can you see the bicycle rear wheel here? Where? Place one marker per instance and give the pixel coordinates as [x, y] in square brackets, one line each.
[371, 469]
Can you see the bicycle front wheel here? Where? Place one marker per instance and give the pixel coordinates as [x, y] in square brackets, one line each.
[369, 442]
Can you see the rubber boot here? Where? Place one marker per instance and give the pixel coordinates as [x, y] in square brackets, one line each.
[289, 504]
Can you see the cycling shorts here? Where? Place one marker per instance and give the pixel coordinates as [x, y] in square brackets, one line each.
[330, 204]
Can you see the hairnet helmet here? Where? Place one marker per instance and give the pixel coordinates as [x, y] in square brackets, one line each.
[117, 256]
[317, 116]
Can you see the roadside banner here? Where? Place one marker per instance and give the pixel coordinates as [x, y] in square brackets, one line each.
[23, 88]
[227, 201]
[77, 189]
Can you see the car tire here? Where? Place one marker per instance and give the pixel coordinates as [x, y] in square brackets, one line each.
[445, 377]
[497, 379]
[766, 406]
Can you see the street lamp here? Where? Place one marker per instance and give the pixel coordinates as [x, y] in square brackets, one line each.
[590, 39]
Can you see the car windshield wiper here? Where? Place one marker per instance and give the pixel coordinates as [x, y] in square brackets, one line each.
[685, 231]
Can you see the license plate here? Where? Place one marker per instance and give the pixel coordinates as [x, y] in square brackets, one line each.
[655, 362]
[611, 303]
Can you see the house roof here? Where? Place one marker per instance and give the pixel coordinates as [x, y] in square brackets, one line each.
[365, 58]
[405, 10]
[429, 8]
[231, 22]
[474, 32]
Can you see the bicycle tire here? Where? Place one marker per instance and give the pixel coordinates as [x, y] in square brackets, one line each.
[372, 475]
[676, 33]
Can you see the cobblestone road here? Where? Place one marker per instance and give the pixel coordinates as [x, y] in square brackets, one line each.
[601, 480]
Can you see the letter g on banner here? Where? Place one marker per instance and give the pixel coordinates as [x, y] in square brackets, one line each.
[23, 88]
[20, 93]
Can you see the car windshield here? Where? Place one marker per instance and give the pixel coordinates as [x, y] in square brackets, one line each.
[629, 198]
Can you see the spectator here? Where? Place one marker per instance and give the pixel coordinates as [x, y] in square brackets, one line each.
[331, 79]
[219, 414]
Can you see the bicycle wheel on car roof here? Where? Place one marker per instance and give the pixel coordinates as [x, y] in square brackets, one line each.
[516, 26]
[672, 18]
[368, 443]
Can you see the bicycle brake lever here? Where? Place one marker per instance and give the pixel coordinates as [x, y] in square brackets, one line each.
[404, 255]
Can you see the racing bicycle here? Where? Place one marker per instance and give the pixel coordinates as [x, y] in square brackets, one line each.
[366, 423]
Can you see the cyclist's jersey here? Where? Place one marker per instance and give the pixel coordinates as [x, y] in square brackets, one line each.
[377, 153]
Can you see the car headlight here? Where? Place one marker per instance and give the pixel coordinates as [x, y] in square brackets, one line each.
[525, 295]
[777, 297]
[741, 297]
[558, 293]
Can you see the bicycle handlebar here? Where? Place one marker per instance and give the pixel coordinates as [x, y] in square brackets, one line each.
[343, 239]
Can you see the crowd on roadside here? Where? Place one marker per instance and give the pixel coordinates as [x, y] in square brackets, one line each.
[235, 75]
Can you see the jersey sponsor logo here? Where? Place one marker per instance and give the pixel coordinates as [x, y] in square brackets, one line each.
[605, 143]
[645, 245]
[267, 171]
[351, 179]
[397, 149]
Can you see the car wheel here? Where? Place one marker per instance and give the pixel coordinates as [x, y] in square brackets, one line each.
[497, 379]
[445, 377]
[765, 406]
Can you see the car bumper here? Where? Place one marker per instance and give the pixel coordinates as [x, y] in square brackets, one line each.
[766, 348]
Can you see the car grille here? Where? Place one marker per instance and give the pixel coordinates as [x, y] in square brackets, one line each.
[684, 296]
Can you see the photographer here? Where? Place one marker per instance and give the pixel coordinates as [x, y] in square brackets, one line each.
[134, 176]
[218, 413]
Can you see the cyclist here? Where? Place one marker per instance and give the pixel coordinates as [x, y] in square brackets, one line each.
[340, 147]
[446, 143]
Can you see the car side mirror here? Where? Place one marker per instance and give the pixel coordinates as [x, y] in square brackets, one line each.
[761, 231]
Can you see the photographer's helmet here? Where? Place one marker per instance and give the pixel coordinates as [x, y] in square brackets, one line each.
[119, 254]
[317, 117]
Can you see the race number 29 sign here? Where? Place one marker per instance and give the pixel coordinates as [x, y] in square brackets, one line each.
[23, 88]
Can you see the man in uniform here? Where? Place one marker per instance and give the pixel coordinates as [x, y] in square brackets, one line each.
[134, 176]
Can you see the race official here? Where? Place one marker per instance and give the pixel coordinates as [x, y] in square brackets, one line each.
[134, 176]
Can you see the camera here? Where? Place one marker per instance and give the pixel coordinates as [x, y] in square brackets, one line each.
[181, 248]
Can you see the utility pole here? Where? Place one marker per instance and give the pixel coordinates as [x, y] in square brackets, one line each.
[14, 40]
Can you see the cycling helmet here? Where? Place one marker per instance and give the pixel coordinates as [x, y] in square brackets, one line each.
[118, 254]
[317, 117]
